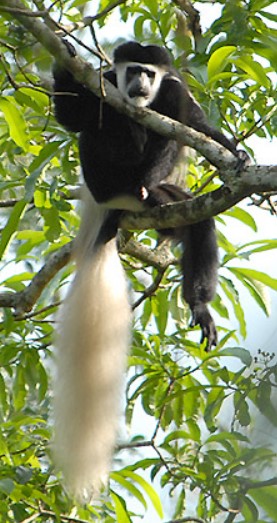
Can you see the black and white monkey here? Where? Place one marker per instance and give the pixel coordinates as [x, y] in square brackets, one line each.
[124, 166]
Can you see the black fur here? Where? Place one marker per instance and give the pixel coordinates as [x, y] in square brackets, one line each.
[120, 157]
[144, 54]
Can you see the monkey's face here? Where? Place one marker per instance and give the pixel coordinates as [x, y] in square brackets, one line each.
[139, 83]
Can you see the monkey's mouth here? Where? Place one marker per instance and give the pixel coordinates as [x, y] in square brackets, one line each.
[138, 100]
[138, 93]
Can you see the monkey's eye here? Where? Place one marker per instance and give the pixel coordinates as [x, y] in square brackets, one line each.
[151, 74]
[133, 71]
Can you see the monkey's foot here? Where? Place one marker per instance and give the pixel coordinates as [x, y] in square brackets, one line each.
[202, 317]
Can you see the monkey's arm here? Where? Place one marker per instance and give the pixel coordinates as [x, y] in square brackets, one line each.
[74, 104]
[196, 118]
[170, 100]
[76, 107]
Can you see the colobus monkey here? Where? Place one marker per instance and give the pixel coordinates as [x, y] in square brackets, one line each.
[125, 166]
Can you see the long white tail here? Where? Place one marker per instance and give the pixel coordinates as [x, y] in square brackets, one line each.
[93, 339]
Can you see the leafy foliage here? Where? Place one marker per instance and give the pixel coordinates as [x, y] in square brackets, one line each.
[195, 443]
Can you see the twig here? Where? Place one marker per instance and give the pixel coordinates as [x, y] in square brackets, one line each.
[160, 258]
[19, 11]
[149, 291]
[23, 302]
[38, 312]
[193, 17]
[134, 445]
[189, 519]
[9, 203]
[31, 518]
[30, 295]
[50, 513]
[101, 52]
[88, 20]
[167, 392]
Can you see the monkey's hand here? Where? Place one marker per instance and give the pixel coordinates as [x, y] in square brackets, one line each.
[202, 317]
[243, 159]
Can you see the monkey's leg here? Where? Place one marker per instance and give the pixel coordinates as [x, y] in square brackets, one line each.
[199, 261]
[199, 267]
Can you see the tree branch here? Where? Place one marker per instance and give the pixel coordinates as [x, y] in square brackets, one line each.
[24, 301]
[254, 179]
[189, 519]
[193, 16]
[159, 258]
[84, 72]
[88, 20]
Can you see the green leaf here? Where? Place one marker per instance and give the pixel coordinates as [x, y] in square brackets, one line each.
[245, 217]
[260, 294]
[249, 511]
[162, 311]
[11, 226]
[219, 59]
[43, 382]
[254, 70]
[213, 405]
[242, 409]
[52, 223]
[4, 450]
[261, 397]
[138, 26]
[266, 497]
[15, 121]
[177, 434]
[120, 508]
[233, 295]
[252, 274]
[6, 485]
[223, 436]
[262, 245]
[129, 486]
[152, 494]
[3, 395]
[41, 99]
[8, 353]
[19, 389]
[38, 164]
[238, 352]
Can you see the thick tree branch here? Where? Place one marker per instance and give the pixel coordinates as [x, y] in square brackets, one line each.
[84, 72]
[254, 179]
[24, 301]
